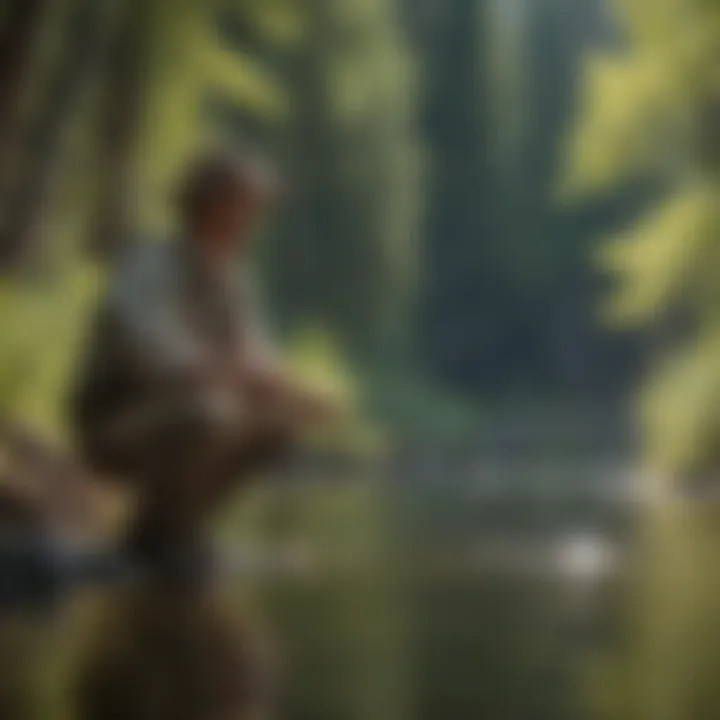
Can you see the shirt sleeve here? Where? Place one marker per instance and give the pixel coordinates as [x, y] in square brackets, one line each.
[146, 307]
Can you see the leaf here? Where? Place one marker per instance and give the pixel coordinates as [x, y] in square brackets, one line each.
[660, 260]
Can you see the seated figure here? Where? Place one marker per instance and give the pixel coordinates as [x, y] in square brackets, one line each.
[181, 393]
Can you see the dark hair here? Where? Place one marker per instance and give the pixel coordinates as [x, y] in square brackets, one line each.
[216, 173]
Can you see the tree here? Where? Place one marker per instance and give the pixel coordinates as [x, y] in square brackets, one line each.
[21, 30]
[123, 95]
[507, 296]
[456, 256]
[342, 256]
[29, 197]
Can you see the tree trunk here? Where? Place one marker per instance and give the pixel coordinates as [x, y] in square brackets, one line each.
[20, 238]
[18, 47]
[121, 116]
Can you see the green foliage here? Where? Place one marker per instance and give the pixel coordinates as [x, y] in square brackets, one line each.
[663, 261]
[318, 363]
[190, 65]
[43, 327]
[651, 112]
[646, 106]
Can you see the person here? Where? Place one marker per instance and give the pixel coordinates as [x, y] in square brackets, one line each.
[183, 394]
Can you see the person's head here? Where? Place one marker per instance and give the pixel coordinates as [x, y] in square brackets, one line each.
[223, 197]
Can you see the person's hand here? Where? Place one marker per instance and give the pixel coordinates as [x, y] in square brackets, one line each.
[261, 384]
[318, 408]
[273, 392]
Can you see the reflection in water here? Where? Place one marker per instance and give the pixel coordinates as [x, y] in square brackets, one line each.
[463, 601]
[23, 639]
[585, 557]
[393, 601]
[161, 654]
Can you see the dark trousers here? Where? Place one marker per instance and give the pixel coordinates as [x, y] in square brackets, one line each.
[183, 455]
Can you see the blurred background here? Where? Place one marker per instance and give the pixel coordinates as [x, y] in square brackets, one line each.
[497, 241]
